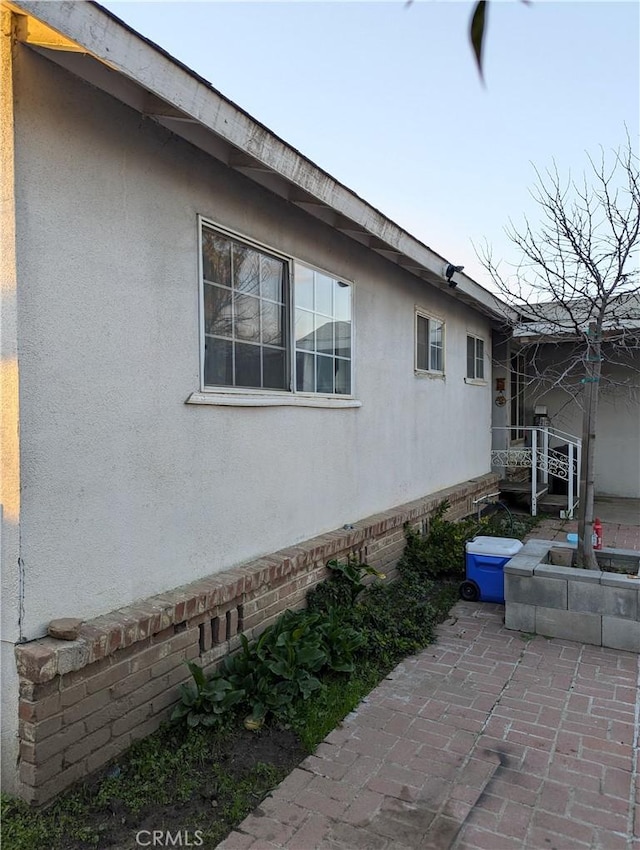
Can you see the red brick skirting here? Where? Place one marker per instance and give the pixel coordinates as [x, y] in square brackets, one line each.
[83, 702]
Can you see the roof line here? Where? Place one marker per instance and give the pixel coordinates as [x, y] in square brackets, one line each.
[79, 22]
[252, 118]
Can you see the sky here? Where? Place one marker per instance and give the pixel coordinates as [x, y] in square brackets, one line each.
[385, 96]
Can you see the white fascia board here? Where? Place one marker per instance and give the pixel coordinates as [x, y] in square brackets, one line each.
[136, 58]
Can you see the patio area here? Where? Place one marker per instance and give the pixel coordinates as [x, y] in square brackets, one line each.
[620, 524]
[487, 740]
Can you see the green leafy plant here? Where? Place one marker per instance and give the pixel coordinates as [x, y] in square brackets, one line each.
[270, 675]
[397, 620]
[335, 592]
[293, 642]
[439, 553]
[292, 653]
[211, 698]
[354, 572]
[341, 641]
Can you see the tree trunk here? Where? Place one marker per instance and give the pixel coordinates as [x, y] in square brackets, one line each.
[586, 557]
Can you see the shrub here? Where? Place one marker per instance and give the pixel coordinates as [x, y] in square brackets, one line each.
[394, 619]
[441, 552]
[208, 701]
[270, 675]
[345, 584]
[354, 572]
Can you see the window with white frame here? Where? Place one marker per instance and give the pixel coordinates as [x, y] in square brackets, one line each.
[475, 358]
[272, 323]
[429, 344]
[322, 332]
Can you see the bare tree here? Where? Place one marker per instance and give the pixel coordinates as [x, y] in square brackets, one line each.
[577, 286]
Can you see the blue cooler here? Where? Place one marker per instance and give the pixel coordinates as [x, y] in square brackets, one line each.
[485, 560]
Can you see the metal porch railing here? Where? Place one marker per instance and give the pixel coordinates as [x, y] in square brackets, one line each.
[546, 452]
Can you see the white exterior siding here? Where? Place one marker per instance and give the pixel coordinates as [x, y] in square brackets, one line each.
[127, 490]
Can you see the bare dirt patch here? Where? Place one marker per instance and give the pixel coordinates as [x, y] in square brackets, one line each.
[211, 804]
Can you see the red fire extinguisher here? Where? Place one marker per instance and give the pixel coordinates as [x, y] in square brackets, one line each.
[597, 534]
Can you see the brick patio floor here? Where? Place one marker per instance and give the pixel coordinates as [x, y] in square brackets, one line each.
[615, 535]
[487, 740]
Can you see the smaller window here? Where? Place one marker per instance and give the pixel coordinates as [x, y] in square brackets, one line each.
[475, 358]
[429, 344]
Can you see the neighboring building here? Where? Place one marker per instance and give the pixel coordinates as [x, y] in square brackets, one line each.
[548, 367]
[215, 357]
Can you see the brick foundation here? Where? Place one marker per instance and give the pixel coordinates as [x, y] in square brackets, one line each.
[83, 702]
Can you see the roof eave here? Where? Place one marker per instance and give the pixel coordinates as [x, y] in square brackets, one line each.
[175, 96]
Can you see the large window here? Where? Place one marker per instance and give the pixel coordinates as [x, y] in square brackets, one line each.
[322, 332]
[429, 344]
[245, 315]
[271, 323]
[475, 358]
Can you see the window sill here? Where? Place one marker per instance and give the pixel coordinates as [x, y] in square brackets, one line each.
[423, 373]
[476, 382]
[249, 399]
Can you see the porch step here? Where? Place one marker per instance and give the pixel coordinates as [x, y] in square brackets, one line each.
[519, 492]
[522, 488]
[553, 503]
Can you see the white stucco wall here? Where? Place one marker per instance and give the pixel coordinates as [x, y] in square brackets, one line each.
[127, 490]
[617, 445]
[9, 420]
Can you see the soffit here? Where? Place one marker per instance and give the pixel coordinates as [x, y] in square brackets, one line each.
[94, 45]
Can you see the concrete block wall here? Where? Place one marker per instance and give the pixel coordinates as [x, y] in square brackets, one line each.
[83, 702]
[590, 606]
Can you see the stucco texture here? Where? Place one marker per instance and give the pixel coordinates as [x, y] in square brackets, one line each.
[617, 442]
[127, 490]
